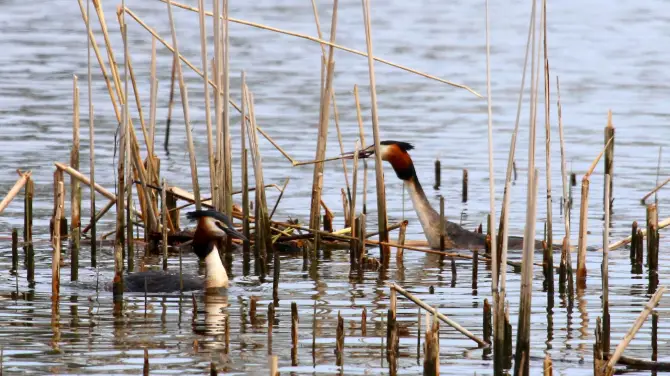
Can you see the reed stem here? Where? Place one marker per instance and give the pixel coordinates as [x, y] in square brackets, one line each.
[379, 171]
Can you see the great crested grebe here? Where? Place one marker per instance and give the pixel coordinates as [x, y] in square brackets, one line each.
[396, 153]
[211, 227]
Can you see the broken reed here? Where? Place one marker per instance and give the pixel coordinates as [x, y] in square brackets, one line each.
[75, 194]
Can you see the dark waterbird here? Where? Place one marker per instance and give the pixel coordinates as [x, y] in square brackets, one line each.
[211, 227]
[396, 153]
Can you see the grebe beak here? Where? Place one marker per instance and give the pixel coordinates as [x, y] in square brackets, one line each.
[365, 153]
[227, 227]
[220, 220]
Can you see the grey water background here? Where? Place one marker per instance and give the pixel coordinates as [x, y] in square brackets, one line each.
[607, 55]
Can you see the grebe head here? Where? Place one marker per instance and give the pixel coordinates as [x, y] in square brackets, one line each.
[394, 152]
[211, 227]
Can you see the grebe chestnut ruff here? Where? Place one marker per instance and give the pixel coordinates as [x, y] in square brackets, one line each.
[396, 153]
[211, 227]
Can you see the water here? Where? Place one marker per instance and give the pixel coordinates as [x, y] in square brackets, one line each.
[606, 54]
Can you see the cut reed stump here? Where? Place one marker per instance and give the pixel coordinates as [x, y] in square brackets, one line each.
[145, 368]
[654, 336]
[609, 158]
[28, 230]
[548, 367]
[295, 319]
[464, 188]
[652, 246]
[392, 342]
[75, 194]
[56, 243]
[488, 328]
[339, 341]
[438, 174]
[15, 251]
[431, 349]
[605, 272]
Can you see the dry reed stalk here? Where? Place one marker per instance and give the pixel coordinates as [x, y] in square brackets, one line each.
[609, 156]
[503, 229]
[272, 359]
[75, 194]
[226, 147]
[322, 138]
[648, 308]
[153, 97]
[82, 178]
[439, 315]
[653, 191]
[170, 102]
[91, 136]
[605, 271]
[331, 44]
[492, 191]
[335, 112]
[525, 296]
[281, 194]
[361, 133]
[15, 190]
[392, 344]
[208, 112]
[379, 168]
[352, 208]
[263, 240]
[187, 120]
[245, 174]
[120, 219]
[583, 221]
[217, 67]
[101, 63]
[548, 367]
[566, 262]
[164, 224]
[401, 241]
[548, 258]
[56, 242]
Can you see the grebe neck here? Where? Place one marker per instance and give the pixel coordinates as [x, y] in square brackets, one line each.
[428, 217]
[216, 275]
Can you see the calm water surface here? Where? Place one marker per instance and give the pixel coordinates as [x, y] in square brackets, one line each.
[608, 56]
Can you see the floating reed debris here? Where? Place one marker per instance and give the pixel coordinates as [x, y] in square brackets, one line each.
[438, 174]
[648, 308]
[438, 315]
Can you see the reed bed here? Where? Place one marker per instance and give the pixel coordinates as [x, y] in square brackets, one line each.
[143, 200]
